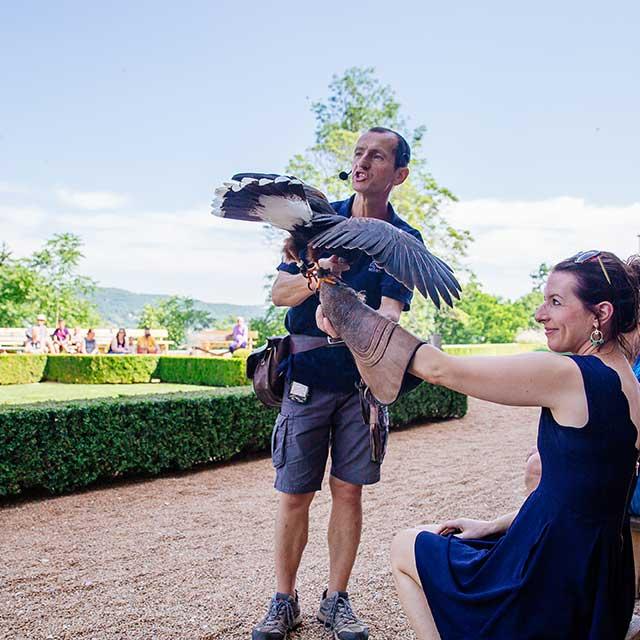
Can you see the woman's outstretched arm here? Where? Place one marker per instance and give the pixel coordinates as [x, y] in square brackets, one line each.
[529, 380]
[532, 379]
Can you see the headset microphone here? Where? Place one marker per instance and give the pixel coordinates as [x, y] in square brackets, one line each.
[344, 175]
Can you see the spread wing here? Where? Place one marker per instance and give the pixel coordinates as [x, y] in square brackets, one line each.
[399, 253]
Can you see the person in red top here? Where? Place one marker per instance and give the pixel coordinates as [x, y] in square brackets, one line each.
[62, 338]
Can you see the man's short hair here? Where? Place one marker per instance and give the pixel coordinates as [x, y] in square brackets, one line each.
[403, 150]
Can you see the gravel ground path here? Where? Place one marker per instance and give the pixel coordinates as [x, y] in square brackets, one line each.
[189, 556]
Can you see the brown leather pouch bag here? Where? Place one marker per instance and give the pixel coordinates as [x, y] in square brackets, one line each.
[262, 370]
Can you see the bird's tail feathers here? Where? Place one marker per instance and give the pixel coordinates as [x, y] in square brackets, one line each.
[279, 200]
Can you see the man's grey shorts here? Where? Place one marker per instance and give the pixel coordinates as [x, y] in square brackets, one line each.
[304, 433]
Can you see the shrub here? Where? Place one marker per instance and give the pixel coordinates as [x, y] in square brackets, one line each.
[68, 445]
[506, 349]
[113, 369]
[218, 372]
[427, 401]
[63, 446]
[21, 368]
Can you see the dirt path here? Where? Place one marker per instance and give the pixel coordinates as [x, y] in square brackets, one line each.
[189, 557]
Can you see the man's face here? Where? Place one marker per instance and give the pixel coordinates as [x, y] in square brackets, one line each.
[373, 164]
[147, 332]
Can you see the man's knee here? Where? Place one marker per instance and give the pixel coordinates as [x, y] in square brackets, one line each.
[345, 492]
[296, 501]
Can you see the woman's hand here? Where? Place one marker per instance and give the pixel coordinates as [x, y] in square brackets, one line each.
[324, 324]
[466, 528]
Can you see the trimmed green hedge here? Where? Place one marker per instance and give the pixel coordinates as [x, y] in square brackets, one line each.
[122, 369]
[21, 368]
[114, 369]
[68, 445]
[219, 372]
[506, 349]
[427, 401]
[65, 446]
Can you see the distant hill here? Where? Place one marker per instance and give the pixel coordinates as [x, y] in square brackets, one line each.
[122, 308]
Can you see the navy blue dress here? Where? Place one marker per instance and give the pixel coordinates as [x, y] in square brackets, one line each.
[564, 568]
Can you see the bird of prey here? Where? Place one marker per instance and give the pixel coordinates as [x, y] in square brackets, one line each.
[289, 204]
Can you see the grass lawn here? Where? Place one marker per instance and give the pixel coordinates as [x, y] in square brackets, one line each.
[55, 391]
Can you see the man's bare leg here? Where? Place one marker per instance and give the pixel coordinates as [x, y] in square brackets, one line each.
[345, 529]
[409, 587]
[292, 530]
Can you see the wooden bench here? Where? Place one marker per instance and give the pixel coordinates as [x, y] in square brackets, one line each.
[12, 339]
[216, 339]
[104, 336]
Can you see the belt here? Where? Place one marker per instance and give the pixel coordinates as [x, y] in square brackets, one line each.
[299, 343]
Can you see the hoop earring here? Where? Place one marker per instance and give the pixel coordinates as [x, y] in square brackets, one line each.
[596, 338]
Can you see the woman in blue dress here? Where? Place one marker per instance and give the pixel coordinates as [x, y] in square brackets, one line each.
[562, 565]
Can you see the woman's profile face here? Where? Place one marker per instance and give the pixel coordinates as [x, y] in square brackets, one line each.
[567, 322]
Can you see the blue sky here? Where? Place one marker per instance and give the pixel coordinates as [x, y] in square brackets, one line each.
[118, 119]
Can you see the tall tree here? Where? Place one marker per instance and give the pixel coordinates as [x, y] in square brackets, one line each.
[46, 282]
[481, 317]
[61, 292]
[16, 285]
[539, 277]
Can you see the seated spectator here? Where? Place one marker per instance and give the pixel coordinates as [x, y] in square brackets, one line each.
[147, 343]
[76, 343]
[89, 341]
[132, 345]
[33, 343]
[239, 335]
[634, 507]
[62, 338]
[119, 342]
[41, 333]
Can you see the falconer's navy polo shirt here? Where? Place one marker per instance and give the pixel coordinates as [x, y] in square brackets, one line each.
[333, 368]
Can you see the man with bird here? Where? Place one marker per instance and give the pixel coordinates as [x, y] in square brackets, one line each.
[361, 241]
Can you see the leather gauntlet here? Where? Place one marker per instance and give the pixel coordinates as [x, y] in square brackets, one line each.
[382, 349]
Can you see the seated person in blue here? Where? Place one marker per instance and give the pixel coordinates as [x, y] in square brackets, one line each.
[562, 565]
[634, 508]
[321, 409]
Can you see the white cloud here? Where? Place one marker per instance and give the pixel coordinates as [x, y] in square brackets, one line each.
[6, 187]
[91, 200]
[513, 237]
